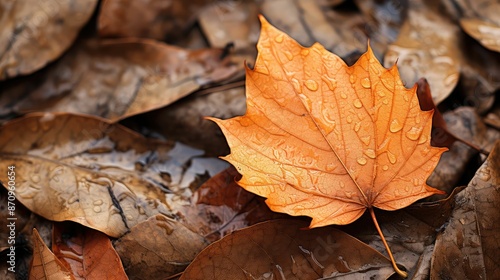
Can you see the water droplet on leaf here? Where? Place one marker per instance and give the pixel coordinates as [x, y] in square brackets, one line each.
[366, 83]
[395, 126]
[357, 103]
[311, 85]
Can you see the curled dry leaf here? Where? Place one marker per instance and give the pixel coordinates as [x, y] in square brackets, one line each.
[280, 249]
[90, 171]
[33, 34]
[117, 78]
[220, 207]
[156, 19]
[468, 247]
[45, 265]
[427, 47]
[165, 245]
[328, 141]
[88, 253]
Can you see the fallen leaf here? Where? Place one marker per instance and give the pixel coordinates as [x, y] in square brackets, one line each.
[280, 249]
[427, 47]
[117, 78]
[163, 244]
[483, 31]
[328, 141]
[156, 19]
[86, 252]
[93, 172]
[220, 207]
[455, 165]
[468, 248]
[32, 34]
[45, 265]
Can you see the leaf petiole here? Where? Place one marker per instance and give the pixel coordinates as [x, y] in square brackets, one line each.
[394, 265]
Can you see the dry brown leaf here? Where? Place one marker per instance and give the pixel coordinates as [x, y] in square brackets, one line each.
[427, 47]
[468, 248]
[157, 248]
[328, 141]
[117, 78]
[90, 171]
[33, 34]
[87, 253]
[280, 249]
[156, 19]
[45, 265]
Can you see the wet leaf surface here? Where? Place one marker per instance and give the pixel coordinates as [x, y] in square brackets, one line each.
[89, 171]
[87, 253]
[426, 47]
[32, 34]
[117, 78]
[282, 249]
[163, 244]
[468, 247]
[368, 149]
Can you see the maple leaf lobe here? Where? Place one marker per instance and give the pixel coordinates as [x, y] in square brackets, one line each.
[326, 140]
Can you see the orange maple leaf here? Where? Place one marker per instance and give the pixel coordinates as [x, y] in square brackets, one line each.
[326, 140]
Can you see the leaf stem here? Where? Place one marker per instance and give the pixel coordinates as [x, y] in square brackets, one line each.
[394, 265]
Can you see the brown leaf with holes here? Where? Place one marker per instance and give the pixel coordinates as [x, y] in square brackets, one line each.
[328, 141]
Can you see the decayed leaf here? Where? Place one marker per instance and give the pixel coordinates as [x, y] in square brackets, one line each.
[34, 33]
[280, 249]
[87, 252]
[163, 244]
[45, 265]
[220, 207]
[427, 47]
[156, 19]
[329, 141]
[90, 171]
[468, 247]
[117, 78]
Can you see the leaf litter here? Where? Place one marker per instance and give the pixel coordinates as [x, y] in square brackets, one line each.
[469, 111]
